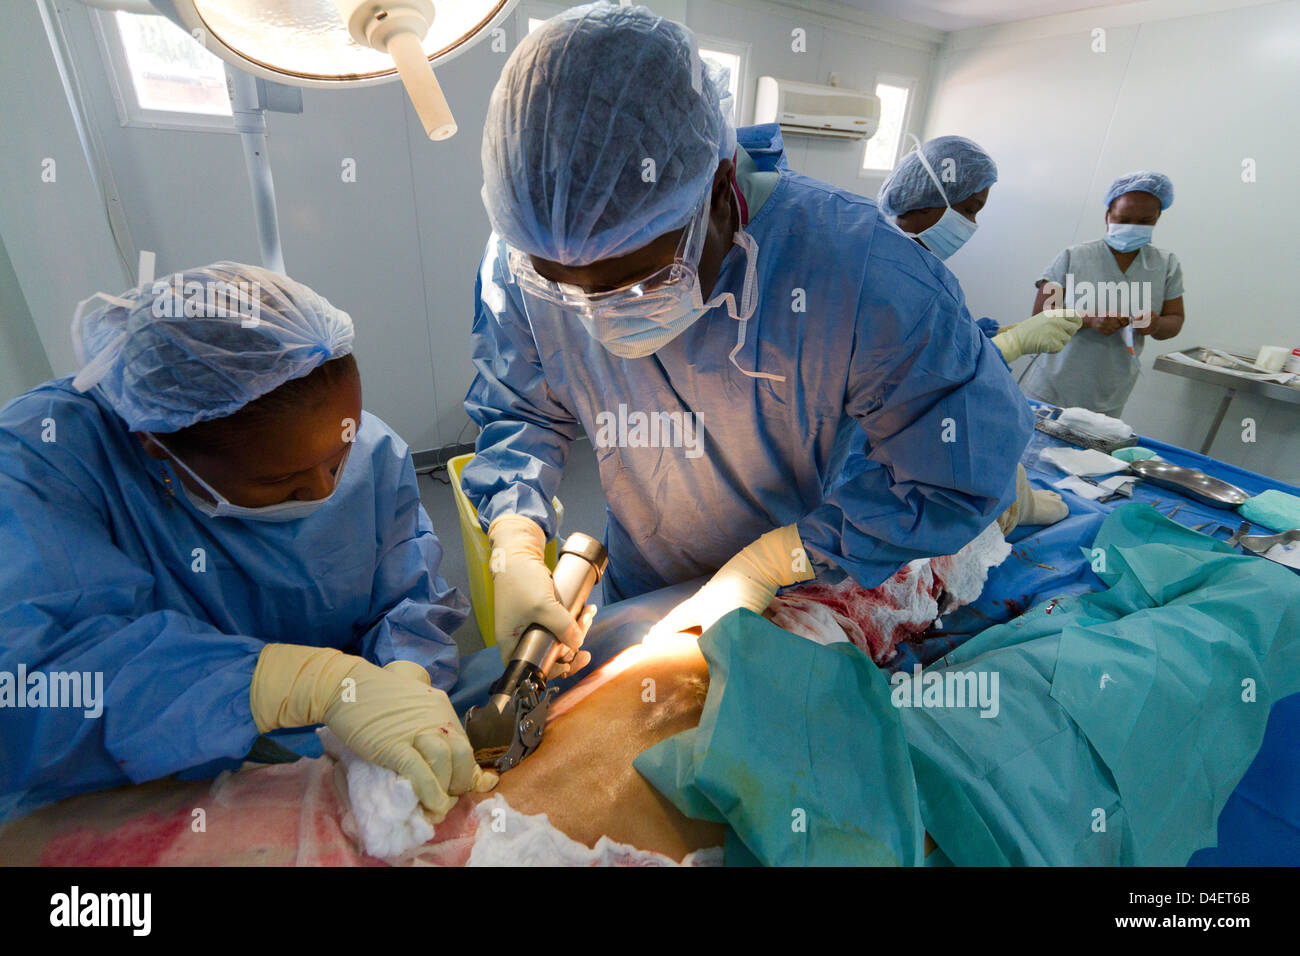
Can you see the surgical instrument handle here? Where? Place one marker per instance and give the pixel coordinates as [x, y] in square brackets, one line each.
[579, 566]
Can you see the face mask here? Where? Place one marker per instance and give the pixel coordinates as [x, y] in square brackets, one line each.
[284, 511]
[636, 336]
[952, 230]
[1126, 236]
[640, 320]
[948, 234]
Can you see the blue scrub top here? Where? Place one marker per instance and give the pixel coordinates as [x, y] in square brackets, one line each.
[106, 572]
[873, 336]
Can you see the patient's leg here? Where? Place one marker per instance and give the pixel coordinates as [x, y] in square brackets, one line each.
[581, 776]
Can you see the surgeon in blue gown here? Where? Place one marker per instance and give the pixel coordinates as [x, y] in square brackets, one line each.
[649, 264]
[934, 195]
[206, 527]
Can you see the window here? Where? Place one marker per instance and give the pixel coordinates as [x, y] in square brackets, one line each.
[722, 54]
[882, 149]
[729, 64]
[161, 75]
[730, 58]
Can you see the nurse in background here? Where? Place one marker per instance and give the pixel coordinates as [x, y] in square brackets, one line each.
[209, 534]
[1097, 370]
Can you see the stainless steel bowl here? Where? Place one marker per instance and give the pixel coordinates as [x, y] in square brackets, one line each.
[1194, 484]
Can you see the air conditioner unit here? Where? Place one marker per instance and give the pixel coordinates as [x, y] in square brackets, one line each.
[805, 109]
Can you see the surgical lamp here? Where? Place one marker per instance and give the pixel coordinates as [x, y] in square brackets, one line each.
[337, 44]
[322, 44]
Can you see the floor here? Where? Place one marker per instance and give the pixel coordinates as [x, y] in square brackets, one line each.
[584, 510]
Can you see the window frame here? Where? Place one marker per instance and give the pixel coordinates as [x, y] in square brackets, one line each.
[129, 111]
[910, 84]
[740, 50]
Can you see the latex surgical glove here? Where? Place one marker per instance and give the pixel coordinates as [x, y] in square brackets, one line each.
[1048, 331]
[522, 587]
[386, 717]
[1033, 506]
[571, 661]
[409, 669]
[748, 580]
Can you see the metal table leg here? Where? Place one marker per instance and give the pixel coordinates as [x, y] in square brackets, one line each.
[1218, 420]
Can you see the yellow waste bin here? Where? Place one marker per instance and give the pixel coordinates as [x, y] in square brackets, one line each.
[478, 554]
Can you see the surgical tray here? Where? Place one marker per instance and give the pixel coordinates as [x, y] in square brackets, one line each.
[1050, 426]
[1195, 484]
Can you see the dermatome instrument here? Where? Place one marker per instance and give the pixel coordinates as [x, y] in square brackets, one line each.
[509, 726]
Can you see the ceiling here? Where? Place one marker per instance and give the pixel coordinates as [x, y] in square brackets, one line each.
[950, 15]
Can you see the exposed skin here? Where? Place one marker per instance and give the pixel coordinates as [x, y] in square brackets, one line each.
[1136, 208]
[609, 274]
[582, 776]
[919, 220]
[291, 458]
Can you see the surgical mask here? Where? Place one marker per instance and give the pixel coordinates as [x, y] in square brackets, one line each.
[948, 234]
[1127, 236]
[952, 230]
[636, 336]
[642, 318]
[224, 508]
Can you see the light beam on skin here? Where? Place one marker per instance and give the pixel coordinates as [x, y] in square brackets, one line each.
[651, 649]
[711, 602]
[667, 642]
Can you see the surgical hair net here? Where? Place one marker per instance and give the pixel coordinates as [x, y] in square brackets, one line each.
[1143, 181]
[602, 134]
[910, 187]
[203, 343]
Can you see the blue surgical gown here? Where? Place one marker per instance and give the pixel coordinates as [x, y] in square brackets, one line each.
[871, 333]
[104, 571]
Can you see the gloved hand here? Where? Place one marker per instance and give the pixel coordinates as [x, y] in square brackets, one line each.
[523, 591]
[571, 661]
[386, 716]
[750, 580]
[409, 669]
[1047, 331]
[1033, 506]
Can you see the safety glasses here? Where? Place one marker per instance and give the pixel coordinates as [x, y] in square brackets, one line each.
[645, 295]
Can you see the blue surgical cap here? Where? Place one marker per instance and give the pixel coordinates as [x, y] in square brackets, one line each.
[603, 133]
[954, 158]
[203, 343]
[1143, 181]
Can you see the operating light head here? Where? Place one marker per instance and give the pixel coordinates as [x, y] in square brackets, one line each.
[343, 43]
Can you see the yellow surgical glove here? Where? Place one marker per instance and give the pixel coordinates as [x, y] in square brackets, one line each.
[522, 588]
[1032, 506]
[409, 669]
[386, 717]
[749, 580]
[1047, 331]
